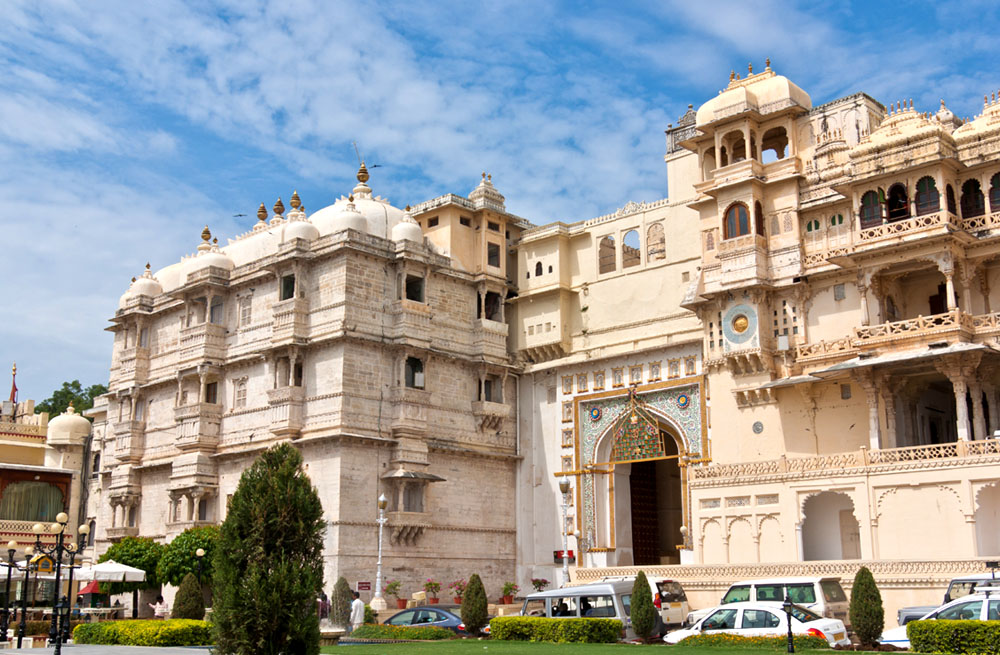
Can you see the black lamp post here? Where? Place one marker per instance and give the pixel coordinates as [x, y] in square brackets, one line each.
[5, 617]
[787, 605]
[73, 549]
[57, 551]
[22, 626]
[200, 553]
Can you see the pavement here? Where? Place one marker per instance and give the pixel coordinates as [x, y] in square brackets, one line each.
[88, 649]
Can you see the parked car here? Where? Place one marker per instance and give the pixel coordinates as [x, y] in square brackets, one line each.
[983, 605]
[824, 596]
[755, 619]
[611, 600]
[668, 597]
[957, 588]
[424, 617]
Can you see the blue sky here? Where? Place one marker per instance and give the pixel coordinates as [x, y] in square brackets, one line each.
[127, 126]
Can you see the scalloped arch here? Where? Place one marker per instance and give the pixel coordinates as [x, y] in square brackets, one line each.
[817, 492]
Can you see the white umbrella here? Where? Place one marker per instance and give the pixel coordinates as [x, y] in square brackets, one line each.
[111, 571]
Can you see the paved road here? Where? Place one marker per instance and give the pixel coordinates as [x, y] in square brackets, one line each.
[83, 649]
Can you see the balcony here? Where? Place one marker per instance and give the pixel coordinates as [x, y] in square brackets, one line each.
[409, 411]
[286, 410]
[410, 322]
[490, 415]
[489, 339]
[908, 229]
[743, 261]
[130, 441]
[291, 322]
[133, 367]
[954, 325]
[114, 534]
[203, 342]
[982, 226]
[197, 426]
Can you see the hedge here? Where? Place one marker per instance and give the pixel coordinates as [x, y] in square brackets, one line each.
[376, 631]
[537, 628]
[754, 643]
[38, 627]
[145, 632]
[943, 636]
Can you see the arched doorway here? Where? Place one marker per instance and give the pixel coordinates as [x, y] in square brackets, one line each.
[830, 530]
[988, 521]
[657, 511]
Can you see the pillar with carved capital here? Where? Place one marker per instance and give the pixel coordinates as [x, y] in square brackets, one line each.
[994, 415]
[866, 381]
[863, 294]
[949, 280]
[978, 417]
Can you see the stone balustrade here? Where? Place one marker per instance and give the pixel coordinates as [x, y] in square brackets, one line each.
[932, 325]
[984, 223]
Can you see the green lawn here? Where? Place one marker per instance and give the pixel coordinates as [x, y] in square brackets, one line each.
[475, 647]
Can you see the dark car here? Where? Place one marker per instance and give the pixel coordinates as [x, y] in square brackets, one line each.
[422, 617]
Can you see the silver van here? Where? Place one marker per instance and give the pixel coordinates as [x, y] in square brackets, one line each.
[610, 600]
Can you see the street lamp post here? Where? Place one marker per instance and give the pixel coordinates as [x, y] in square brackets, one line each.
[73, 550]
[564, 488]
[200, 553]
[22, 626]
[5, 617]
[57, 551]
[378, 603]
[787, 606]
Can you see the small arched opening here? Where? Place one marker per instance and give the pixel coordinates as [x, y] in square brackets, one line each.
[897, 204]
[774, 145]
[928, 200]
[972, 199]
[606, 255]
[871, 209]
[950, 199]
[655, 243]
[988, 521]
[737, 221]
[538, 269]
[995, 193]
[829, 528]
[631, 249]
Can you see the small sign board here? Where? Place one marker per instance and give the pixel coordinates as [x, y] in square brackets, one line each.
[557, 555]
[364, 586]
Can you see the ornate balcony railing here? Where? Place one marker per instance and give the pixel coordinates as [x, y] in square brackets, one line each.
[908, 226]
[980, 223]
[922, 325]
[823, 349]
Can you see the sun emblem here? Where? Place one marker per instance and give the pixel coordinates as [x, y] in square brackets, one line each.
[595, 413]
[683, 401]
[740, 324]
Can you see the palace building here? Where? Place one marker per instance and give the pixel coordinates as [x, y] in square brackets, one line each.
[789, 366]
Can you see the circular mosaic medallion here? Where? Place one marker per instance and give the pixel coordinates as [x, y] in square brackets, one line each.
[758, 427]
[740, 324]
[683, 401]
[595, 413]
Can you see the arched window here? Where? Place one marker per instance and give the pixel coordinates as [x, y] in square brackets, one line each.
[96, 466]
[240, 395]
[538, 268]
[836, 220]
[774, 145]
[972, 199]
[871, 210]
[655, 243]
[898, 205]
[737, 221]
[631, 249]
[812, 226]
[928, 199]
[995, 193]
[758, 218]
[606, 255]
[950, 197]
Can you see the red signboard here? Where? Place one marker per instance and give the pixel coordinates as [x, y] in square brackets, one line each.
[364, 586]
[557, 555]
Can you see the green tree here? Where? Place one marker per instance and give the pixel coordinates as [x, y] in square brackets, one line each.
[189, 604]
[867, 614]
[139, 552]
[268, 566]
[643, 612]
[74, 392]
[180, 556]
[474, 606]
[340, 603]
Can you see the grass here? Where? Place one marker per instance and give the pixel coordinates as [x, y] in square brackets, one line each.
[471, 646]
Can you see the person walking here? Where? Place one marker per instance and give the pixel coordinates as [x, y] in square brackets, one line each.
[357, 612]
[160, 608]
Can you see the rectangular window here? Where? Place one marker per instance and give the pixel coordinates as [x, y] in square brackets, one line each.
[493, 255]
[598, 380]
[617, 377]
[490, 225]
[144, 338]
[567, 411]
[287, 287]
[140, 410]
[567, 384]
[465, 220]
[845, 392]
[432, 221]
[581, 382]
[240, 400]
[212, 392]
[246, 311]
[839, 293]
[567, 438]
[654, 371]
[634, 374]
[415, 288]
[217, 313]
[414, 373]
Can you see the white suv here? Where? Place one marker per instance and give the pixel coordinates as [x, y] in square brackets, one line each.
[983, 605]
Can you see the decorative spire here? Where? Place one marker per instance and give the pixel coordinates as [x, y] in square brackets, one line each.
[206, 235]
[13, 383]
[295, 202]
[363, 173]
[148, 268]
[279, 207]
[732, 75]
[767, 64]
[749, 68]
[262, 212]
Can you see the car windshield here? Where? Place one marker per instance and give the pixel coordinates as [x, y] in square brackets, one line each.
[736, 595]
[832, 591]
[671, 592]
[803, 615]
[967, 611]
[960, 588]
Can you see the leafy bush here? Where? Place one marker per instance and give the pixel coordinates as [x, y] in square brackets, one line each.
[643, 611]
[140, 552]
[189, 604]
[371, 616]
[340, 604]
[39, 627]
[474, 605]
[172, 632]
[180, 556]
[268, 564]
[536, 628]
[754, 643]
[376, 631]
[941, 636]
[867, 614]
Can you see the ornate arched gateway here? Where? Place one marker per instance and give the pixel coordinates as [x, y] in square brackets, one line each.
[634, 446]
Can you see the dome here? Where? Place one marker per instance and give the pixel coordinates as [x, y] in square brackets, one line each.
[379, 216]
[69, 428]
[407, 229]
[764, 92]
[208, 255]
[301, 229]
[147, 285]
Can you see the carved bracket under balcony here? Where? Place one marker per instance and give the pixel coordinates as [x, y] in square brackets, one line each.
[490, 416]
[750, 362]
[197, 426]
[286, 410]
[754, 397]
[406, 528]
[130, 441]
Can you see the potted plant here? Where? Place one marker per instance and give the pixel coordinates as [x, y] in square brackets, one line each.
[509, 589]
[539, 583]
[432, 587]
[391, 588]
[458, 589]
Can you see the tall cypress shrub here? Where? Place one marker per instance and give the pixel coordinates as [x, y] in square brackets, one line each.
[189, 603]
[643, 611]
[474, 606]
[268, 567]
[340, 604]
[867, 614]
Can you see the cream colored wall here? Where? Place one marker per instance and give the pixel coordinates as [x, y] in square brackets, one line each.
[28, 455]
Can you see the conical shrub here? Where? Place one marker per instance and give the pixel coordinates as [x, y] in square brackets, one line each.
[643, 611]
[474, 606]
[189, 603]
[867, 614]
[340, 609]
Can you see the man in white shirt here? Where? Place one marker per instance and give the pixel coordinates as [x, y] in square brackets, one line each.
[357, 612]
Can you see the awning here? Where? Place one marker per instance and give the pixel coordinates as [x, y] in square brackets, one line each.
[93, 587]
[403, 474]
[111, 571]
[788, 382]
[902, 356]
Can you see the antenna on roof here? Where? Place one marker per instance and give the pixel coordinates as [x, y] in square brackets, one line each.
[356, 152]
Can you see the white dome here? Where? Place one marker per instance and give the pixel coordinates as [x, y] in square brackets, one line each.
[407, 229]
[208, 255]
[379, 216]
[147, 285]
[300, 228]
[68, 428]
[340, 216]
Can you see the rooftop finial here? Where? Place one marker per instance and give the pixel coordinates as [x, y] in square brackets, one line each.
[489, 177]
[363, 173]
[295, 202]
[206, 235]
[215, 241]
[279, 207]
[767, 63]
[147, 266]
[911, 103]
[262, 212]
[350, 198]
[749, 68]
[13, 383]
[732, 75]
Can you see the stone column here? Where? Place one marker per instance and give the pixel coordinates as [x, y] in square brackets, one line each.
[746, 139]
[863, 294]
[503, 309]
[994, 414]
[866, 381]
[949, 279]
[978, 418]
[959, 369]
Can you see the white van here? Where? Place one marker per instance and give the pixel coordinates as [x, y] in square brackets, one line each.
[824, 596]
[668, 597]
[611, 600]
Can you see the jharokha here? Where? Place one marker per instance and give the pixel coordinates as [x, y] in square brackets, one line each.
[787, 367]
